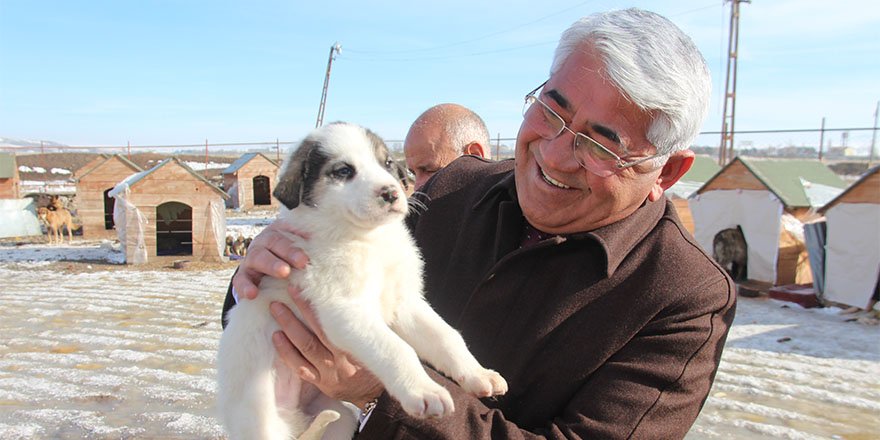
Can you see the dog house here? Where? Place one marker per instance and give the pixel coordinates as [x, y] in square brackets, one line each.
[767, 199]
[852, 242]
[90, 165]
[93, 183]
[10, 183]
[703, 168]
[249, 182]
[170, 210]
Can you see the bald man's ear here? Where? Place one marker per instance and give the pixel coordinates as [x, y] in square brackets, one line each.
[676, 166]
[475, 149]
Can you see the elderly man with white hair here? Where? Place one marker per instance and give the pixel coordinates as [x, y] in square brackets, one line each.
[566, 270]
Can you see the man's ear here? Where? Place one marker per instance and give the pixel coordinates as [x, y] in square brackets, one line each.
[475, 149]
[676, 166]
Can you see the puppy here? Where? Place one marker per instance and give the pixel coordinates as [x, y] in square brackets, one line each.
[364, 282]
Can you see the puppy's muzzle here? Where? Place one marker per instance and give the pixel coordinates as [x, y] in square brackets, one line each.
[389, 194]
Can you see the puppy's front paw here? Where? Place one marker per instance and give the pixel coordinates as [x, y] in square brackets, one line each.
[484, 383]
[427, 400]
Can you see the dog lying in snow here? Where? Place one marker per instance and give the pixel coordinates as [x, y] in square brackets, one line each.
[364, 282]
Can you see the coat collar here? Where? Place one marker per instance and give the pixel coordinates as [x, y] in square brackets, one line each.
[617, 239]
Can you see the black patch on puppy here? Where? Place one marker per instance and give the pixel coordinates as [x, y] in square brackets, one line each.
[296, 184]
[383, 156]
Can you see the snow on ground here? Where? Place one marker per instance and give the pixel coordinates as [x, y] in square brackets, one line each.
[118, 352]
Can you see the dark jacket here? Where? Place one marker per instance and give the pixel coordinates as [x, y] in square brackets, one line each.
[613, 333]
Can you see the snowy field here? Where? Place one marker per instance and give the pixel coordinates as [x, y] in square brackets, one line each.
[99, 351]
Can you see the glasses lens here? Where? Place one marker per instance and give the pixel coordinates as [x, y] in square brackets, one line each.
[540, 118]
[593, 156]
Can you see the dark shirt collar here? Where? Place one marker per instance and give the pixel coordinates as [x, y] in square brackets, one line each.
[617, 239]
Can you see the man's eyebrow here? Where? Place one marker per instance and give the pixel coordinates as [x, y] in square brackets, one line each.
[606, 132]
[556, 96]
[602, 130]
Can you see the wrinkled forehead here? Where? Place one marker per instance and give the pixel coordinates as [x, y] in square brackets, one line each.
[349, 141]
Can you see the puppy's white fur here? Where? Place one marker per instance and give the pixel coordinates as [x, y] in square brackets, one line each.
[364, 282]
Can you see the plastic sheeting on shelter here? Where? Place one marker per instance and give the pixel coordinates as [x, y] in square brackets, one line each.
[814, 235]
[217, 218]
[759, 214]
[131, 225]
[852, 253]
[18, 218]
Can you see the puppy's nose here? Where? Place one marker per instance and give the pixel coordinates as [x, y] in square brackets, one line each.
[389, 194]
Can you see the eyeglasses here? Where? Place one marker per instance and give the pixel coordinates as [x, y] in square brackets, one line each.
[588, 152]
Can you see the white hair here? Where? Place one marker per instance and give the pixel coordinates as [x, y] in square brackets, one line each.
[654, 64]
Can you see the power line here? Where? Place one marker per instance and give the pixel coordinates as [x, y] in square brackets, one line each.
[471, 40]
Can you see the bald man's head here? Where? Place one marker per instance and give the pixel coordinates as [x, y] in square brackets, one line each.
[440, 135]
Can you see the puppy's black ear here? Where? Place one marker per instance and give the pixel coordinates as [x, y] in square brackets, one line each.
[299, 177]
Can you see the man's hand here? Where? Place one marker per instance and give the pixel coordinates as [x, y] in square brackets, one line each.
[272, 253]
[315, 360]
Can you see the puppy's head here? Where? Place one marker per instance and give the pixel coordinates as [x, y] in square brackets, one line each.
[345, 171]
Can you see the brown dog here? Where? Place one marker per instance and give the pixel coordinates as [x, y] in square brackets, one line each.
[54, 220]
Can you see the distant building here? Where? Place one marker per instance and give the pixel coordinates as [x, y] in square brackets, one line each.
[249, 181]
[837, 152]
[10, 184]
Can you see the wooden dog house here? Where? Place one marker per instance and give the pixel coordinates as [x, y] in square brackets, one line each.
[768, 199]
[10, 183]
[249, 181]
[852, 242]
[703, 168]
[170, 210]
[93, 183]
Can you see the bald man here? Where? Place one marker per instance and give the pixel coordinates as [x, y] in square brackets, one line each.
[440, 135]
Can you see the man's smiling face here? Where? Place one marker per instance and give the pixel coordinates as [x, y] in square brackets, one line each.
[556, 194]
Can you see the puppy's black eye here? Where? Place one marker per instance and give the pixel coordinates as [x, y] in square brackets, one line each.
[389, 163]
[343, 172]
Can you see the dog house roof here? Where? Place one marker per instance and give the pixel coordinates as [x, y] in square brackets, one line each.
[135, 178]
[868, 178]
[122, 159]
[244, 159]
[7, 165]
[786, 178]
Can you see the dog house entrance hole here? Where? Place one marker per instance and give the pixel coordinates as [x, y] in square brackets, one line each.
[730, 250]
[174, 229]
[262, 195]
[109, 203]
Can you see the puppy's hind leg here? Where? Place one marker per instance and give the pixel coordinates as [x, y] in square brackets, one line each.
[442, 346]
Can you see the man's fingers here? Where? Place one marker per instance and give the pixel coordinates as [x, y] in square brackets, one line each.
[303, 340]
[308, 313]
[293, 358]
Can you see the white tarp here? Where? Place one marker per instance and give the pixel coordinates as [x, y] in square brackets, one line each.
[217, 219]
[18, 218]
[759, 214]
[130, 225]
[852, 252]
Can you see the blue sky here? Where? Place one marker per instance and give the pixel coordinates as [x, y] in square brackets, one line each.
[179, 72]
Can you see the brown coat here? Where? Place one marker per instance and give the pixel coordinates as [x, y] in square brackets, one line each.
[613, 333]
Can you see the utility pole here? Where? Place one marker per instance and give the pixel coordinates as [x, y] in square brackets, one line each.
[874, 136]
[334, 50]
[725, 149]
[821, 138]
